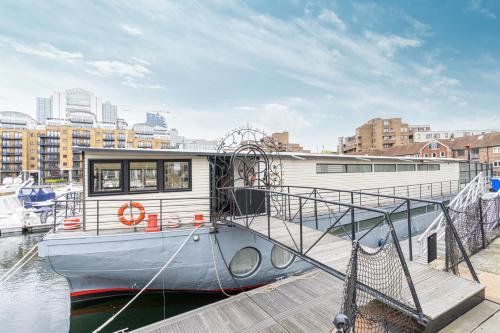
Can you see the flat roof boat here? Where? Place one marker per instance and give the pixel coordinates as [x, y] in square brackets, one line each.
[139, 207]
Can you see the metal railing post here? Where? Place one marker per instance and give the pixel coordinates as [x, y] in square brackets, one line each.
[55, 215]
[441, 188]
[97, 215]
[289, 204]
[268, 199]
[408, 215]
[161, 214]
[131, 215]
[300, 213]
[420, 191]
[406, 271]
[84, 204]
[315, 209]
[459, 242]
[353, 226]
[481, 223]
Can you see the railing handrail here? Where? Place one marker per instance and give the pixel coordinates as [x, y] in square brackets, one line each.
[438, 220]
[386, 216]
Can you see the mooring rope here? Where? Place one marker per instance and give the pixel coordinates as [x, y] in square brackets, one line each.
[13, 270]
[215, 267]
[147, 284]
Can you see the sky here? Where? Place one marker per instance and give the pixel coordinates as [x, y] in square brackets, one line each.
[317, 69]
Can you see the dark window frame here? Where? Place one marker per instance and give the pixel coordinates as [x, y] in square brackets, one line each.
[91, 178]
[125, 176]
[190, 174]
[130, 191]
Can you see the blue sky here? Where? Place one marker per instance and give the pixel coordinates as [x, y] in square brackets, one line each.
[315, 68]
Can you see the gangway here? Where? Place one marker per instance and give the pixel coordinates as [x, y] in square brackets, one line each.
[407, 293]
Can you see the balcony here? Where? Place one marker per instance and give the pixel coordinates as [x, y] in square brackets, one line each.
[108, 139]
[81, 135]
[12, 162]
[12, 153]
[49, 143]
[49, 152]
[7, 138]
[16, 168]
[9, 144]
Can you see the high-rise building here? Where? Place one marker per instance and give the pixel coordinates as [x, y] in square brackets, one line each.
[48, 152]
[43, 109]
[156, 118]
[109, 113]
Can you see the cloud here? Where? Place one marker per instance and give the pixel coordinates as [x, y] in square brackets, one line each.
[131, 30]
[478, 7]
[42, 50]
[132, 83]
[390, 44]
[113, 67]
[274, 115]
[330, 16]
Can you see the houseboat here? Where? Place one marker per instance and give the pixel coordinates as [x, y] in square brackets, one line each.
[139, 206]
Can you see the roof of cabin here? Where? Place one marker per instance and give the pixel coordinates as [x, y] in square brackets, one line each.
[187, 152]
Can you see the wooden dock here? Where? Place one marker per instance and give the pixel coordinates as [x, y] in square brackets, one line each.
[306, 303]
[309, 303]
[441, 294]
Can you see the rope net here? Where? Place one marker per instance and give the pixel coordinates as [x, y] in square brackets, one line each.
[370, 274]
[476, 226]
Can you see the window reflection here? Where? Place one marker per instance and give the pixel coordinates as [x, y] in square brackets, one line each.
[107, 177]
[176, 175]
[142, 176]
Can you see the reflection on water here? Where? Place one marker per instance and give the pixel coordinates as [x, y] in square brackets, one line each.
[37, 300]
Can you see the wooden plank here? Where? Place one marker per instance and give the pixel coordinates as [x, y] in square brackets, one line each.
[473, 318]
[490, 325]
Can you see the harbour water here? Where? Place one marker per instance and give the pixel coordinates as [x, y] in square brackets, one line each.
[36, 299]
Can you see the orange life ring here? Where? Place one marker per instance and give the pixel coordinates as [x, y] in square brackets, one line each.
[132, 221]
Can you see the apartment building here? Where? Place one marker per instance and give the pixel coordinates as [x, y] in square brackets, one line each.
[426, 135]
[284, 144]
[50, 152]
[377, 133]
[484, 148]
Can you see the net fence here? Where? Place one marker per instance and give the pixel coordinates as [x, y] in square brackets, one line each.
[371, 274]
[477, 225]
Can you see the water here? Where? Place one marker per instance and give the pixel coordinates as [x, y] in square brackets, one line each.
[36, 299]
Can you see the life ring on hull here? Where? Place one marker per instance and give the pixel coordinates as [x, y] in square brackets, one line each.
[132, 221]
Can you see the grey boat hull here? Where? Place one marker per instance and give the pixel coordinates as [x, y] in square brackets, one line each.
[108, 265]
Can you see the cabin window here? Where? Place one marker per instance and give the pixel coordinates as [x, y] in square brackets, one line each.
[359, 168]
[331, 168]
[281, 258]
[107, 177]
[423, 167]
[143, 176]
[177, 175]
[245, 262]
[385, 167]
[406, 167]
[434, 167]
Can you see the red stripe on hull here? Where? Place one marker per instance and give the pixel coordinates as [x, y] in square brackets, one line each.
[111, 290]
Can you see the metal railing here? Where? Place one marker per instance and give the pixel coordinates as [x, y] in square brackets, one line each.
[291, 208]
[333, 207]
[468, 195]
[101, 216]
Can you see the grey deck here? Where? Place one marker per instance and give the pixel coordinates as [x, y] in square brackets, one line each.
[304, 303]
[440, 293]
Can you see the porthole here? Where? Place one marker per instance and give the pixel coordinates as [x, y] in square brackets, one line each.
[281, 258]
[245, 262]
